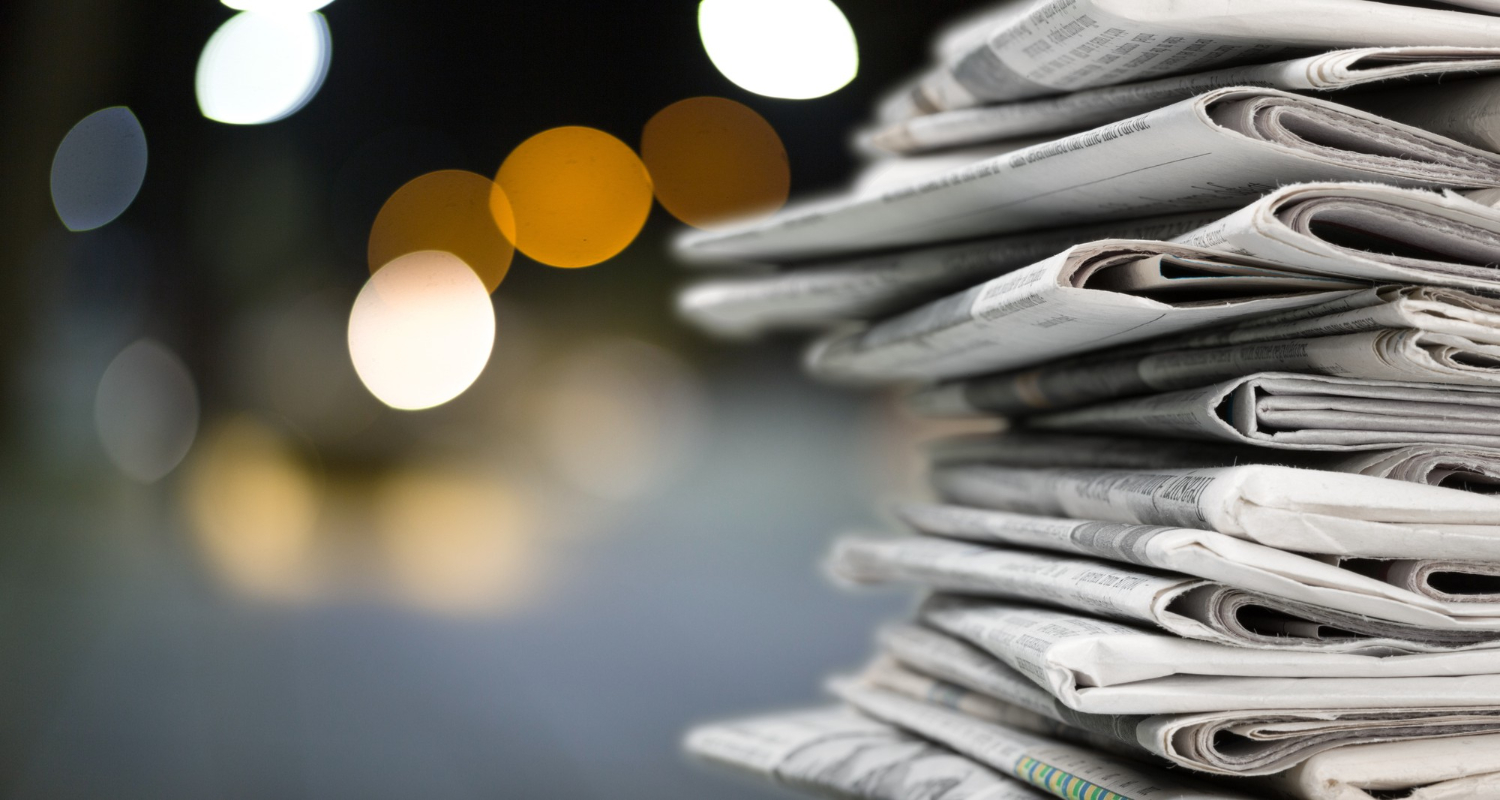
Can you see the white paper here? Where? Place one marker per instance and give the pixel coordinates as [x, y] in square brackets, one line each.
[1065, 770]
[1389, 333]
[1220, 149]
[1471, 469]
[1336, 69]
[1088, 296]
[1457, 768]
[821, 294]
[1406, 597]
[1307, 412]
[1103, 667]
[838, 752]
[1237, 743]
[1299, 510]
[1067, 45]
[1350, 229]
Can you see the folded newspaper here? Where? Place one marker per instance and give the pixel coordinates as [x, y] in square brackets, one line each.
[1302, 412]
[819, 295]
[1111, 291]
[1220, 149]
[1368, 231]
[1359, 585]
[1467, 468]
[1031, 49]
[1277, 600]
[1234, 743]
[1457, 768]
[1390, 333]
[1063, 769]
[1300, 510]
[1324, 72]
[1107, 667]
[1363, 231]
[835, 751]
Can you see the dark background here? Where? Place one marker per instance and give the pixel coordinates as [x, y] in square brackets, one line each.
[130, 668]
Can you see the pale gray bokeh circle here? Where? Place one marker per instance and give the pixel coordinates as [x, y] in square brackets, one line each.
[146, 411]
[98, 168]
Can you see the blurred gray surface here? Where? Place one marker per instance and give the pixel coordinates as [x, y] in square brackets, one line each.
[701, 602]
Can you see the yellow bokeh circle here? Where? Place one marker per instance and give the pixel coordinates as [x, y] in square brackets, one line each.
[713, 160]
[579, 196]
[254, 504]
[450, 210]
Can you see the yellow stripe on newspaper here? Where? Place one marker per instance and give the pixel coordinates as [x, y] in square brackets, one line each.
[1061, 783]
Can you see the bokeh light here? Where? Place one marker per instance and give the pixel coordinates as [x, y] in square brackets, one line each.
[713, 160]
[421, 330]
[621, 417]
[795, 49]
[98, 168]
[253, 504]
[262, 67]
[456, 540]
[283, 6]
[579, 196]
[146, 410]
[460, 212]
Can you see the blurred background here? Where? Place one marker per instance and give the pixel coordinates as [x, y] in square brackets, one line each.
[228, 570]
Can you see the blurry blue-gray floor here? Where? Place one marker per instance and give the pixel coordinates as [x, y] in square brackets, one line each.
[127, 674]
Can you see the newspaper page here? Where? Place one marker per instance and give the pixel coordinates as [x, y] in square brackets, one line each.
[1243, 743]
[1369, 231]
[1105, 667]
[887, 673]
[1221, 149]
[1276, 586]
[1428, 592]
[1088, 296]
[885, 172]
[1066, 45]
[1183, 605]
[1302, 412]
[1457, 768]
[1466, 468]
[1063, 770]
[931, 652]
[818, 295]
[1300, 510]
[1385, 355]
[1391, 333]
[1337, 69]
[1358, 230]
[837, 752]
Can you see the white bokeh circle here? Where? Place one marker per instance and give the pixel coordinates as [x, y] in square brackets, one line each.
[794, 49]
[260, 67]
[421, 330]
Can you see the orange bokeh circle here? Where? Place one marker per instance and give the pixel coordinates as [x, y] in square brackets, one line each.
[713, 160]
[451, 210]
[579, 195]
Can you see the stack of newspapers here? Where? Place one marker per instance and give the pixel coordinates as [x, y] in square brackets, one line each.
[1229, 272]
